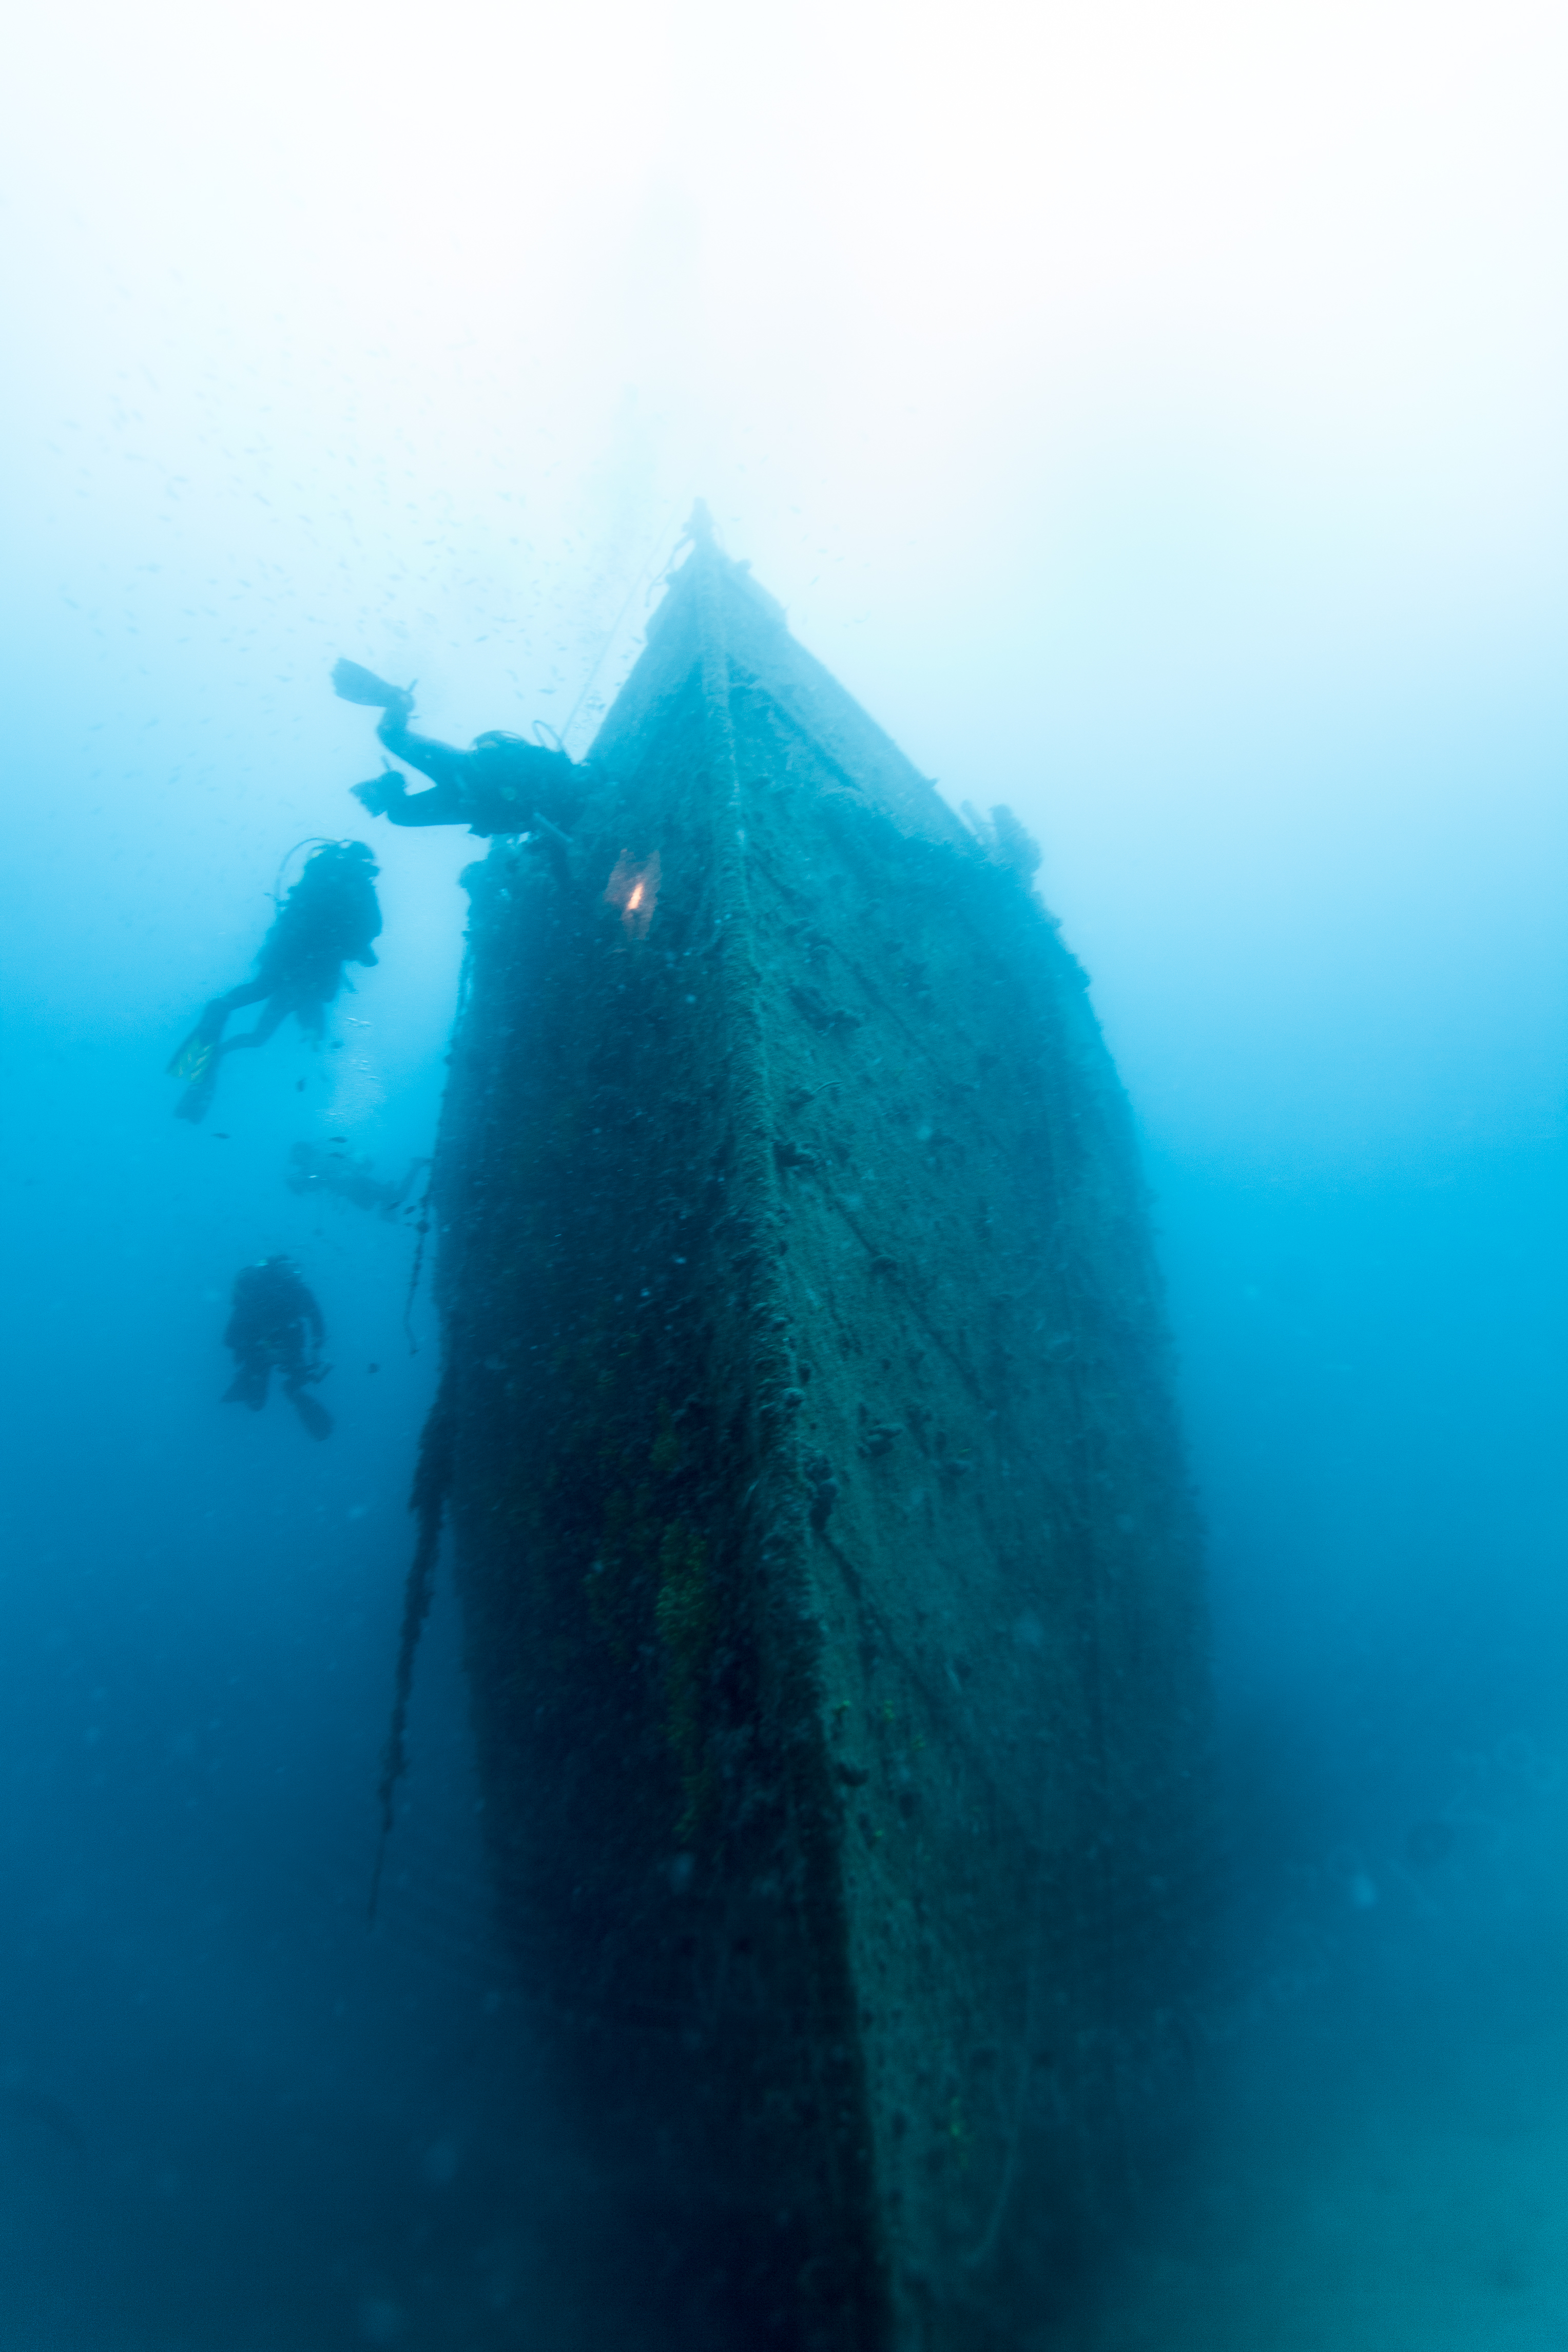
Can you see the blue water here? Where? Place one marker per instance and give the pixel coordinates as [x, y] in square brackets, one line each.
[1373, 1384]
[229, 2113]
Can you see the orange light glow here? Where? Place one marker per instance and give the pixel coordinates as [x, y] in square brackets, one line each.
[633, 888]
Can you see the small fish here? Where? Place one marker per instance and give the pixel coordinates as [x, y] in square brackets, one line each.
[373, 1368]
[222, 1135]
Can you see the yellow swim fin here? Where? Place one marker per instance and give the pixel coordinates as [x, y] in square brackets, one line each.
[193, 1058]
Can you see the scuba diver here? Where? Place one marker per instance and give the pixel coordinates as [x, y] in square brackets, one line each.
[503, 784]
[311, 1170]
[328, 919]
[274, 1321]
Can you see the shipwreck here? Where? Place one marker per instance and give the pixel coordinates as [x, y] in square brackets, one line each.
[827, 1559]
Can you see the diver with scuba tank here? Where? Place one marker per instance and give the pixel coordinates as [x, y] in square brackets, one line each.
[328, 919]
[275, 1325]
[502, 783]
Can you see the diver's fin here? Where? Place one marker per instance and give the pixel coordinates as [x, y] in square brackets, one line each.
[191, 1061]
[197, 1099]
[248, 1386]
[312, 1413]
[378, 795]
[196, 1102]
[351, 683]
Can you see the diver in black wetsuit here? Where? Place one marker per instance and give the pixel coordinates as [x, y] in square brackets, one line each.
[329, 920]
[502, 784]
[274, 1322]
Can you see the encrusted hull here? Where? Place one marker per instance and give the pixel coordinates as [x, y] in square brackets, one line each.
[828, 1568]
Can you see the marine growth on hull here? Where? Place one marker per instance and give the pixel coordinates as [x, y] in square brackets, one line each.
[828, 1573]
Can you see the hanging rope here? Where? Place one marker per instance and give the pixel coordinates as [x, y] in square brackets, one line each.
[431, 1480]
[422, 1230]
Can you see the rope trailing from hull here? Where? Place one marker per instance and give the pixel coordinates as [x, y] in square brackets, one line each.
[421, 1229]
[427, 1501]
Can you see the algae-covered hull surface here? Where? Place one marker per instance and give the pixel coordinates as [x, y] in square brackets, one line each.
[828, 1567]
